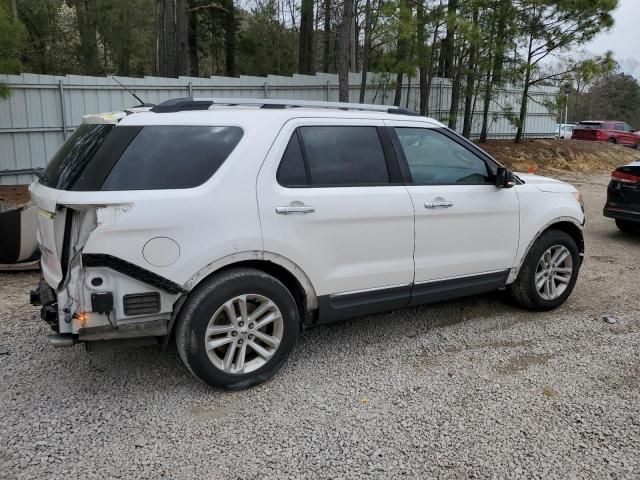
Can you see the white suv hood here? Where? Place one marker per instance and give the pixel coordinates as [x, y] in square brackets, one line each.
[547, 184]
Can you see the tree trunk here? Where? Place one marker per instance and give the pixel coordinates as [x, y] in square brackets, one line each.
[87, 30]
[194, 62]
[494, 71]
[230, 27]
[182, 38]
[470, 82]
[14, 9]
[488, 93]
[455, 96]
[168, 60]
[305, 45]
[326, 37]
[344, 51]
[366, 47]
[446, 62]
[525, 94]
[402, 48]
[422, 54]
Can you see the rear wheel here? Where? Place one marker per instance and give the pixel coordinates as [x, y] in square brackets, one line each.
[237, 329]
[549, 272]
[627, 226]
[612, 140]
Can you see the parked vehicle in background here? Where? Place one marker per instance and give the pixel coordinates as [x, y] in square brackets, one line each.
[623, 197]
[235, 225]
[564, 131]
[18, 243]
[620, 133]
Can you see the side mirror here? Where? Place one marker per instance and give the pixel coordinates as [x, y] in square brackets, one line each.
[505, 178]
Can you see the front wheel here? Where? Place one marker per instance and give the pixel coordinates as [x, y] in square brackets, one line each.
[237, 329]
[549, 272]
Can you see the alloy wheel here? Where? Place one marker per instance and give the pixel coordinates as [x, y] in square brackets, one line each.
[554, 272]
[244, 333]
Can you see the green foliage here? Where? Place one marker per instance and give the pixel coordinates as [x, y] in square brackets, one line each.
[265, 45]
[12, 34]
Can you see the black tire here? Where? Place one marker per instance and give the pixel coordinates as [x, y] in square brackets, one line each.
[612, 140]
[211, 296]
[524, 292]
[627, 226]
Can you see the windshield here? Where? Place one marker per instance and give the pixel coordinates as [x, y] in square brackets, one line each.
[68, 164]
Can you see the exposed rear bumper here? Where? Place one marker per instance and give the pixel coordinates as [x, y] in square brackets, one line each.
[621, 214]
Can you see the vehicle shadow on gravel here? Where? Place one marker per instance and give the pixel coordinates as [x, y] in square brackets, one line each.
[145, 370]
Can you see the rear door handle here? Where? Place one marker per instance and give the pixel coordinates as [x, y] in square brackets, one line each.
[295, 210]
[438, 204]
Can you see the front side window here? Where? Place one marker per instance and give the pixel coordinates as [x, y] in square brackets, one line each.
[436, 159]
[172, 157]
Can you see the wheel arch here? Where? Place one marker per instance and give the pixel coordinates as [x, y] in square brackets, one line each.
[286, 271]
[569, 225]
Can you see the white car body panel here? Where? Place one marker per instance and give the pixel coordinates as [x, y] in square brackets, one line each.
[358, 237]
[478, 234]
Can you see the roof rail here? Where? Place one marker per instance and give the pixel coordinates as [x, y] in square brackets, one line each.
[185, 104]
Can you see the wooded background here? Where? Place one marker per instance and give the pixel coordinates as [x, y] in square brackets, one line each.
[478, 45]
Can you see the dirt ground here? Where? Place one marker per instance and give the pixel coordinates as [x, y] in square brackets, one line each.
[14, 195]
[560, 155]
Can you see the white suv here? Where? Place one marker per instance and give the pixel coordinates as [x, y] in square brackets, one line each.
[233, 223]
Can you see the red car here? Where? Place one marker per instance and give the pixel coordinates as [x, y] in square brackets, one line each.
[607, 131]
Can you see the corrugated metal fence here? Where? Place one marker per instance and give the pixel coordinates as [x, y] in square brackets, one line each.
[43, 109]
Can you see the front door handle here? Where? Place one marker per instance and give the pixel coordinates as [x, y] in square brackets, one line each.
[303, 209]
[438, 204]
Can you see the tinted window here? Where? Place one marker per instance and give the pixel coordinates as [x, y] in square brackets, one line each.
[344, 156]
[69, 162]
[292, 172]
[436, 159]
[177, 156]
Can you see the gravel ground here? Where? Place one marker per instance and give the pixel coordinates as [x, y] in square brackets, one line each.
[468, 389]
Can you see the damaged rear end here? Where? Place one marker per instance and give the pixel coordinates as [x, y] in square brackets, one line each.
[88, 294]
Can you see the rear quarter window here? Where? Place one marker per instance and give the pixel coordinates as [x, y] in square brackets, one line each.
[78, 151]
[172, 157]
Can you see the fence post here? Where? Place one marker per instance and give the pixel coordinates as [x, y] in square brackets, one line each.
[265, 87]
[190, 89]
[62, 109]
[328, 92]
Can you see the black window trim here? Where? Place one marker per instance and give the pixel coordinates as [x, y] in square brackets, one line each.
[391, 159]
[491, 164]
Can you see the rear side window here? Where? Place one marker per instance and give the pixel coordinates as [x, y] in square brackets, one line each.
[292, 171]
[344, 156]
[333, 156]
[170, 157]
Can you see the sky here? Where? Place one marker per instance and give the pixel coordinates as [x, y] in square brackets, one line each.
[622, 38]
